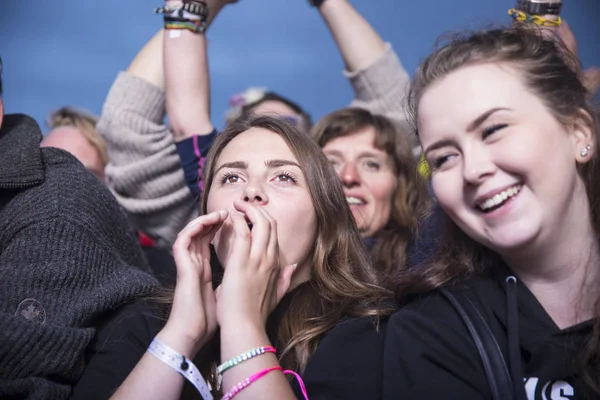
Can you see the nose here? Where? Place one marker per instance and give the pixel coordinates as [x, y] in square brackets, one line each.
[255, 193]
[478, 165]
[349, 175]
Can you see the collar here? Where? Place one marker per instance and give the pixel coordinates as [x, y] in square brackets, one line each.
[20, 154]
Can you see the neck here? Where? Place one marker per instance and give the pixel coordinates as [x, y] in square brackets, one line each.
[563, 272]
[301, 275]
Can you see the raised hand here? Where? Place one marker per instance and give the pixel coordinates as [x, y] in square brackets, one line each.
[193, 319]
[253, 282]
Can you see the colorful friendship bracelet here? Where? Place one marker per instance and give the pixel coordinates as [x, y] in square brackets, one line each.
[190, 26]
[536, 19]
[247, 382]
[250, 380]
[190, 15]
[244, 357]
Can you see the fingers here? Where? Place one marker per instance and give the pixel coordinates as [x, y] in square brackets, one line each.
[264, 231]
[242, 241]
[187, 252]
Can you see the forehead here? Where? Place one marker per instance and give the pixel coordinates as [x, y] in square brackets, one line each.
[456, 100]
[256, 144]
[273, 107]
[358, 141]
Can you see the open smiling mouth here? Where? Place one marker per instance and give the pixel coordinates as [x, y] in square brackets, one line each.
[354, 201]
[499, 199]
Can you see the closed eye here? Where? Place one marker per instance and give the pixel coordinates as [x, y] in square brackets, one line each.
[439, 161]
[492, 129]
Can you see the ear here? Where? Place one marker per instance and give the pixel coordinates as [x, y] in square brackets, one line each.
[583, 136]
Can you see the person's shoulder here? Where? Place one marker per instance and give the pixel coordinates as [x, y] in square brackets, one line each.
[354, 347]
[369, 326]
[352, 338]
[431, 307]
[142, 318]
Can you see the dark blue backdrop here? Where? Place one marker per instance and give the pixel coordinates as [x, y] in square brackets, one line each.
[68, 52]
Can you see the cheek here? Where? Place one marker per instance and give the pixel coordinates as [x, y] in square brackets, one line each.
[447, 189]
[382, 188]
[296, 229]
[220, 200]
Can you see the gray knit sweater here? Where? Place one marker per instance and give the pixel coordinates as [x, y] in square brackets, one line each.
[68, 258]
[144, 172]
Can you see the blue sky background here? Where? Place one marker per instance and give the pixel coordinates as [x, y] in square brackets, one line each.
[68, 52]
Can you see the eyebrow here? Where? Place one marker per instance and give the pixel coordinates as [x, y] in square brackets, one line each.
[362, 154]
[472, 126]
[481, 119]
[269, 164]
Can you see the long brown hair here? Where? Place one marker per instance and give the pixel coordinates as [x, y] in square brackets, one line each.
[343, 282]
[543, 66]
[410, 199]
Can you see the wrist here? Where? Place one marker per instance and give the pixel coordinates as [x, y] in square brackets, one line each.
[179, 342]
[242, 326]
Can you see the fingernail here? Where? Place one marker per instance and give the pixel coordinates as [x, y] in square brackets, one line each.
[223, 213]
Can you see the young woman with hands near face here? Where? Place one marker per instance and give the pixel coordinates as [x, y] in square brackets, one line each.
[293, 278]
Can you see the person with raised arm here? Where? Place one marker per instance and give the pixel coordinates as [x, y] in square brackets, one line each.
[146, 172]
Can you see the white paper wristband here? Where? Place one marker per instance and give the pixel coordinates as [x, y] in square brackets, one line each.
[180, 364]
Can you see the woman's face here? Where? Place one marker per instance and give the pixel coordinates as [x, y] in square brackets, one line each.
[258, 166]
[367, 175]
[503, 167]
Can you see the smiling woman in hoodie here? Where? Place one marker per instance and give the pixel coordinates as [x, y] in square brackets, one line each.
[512, 138]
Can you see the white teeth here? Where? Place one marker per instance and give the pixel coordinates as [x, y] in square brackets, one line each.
[354, 201]
[500, 198]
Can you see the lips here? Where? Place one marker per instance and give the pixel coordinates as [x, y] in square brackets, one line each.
[495, 199]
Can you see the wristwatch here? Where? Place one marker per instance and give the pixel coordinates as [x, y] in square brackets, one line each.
[539, 7]
[316, 3]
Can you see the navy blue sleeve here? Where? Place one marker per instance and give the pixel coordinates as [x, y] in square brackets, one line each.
[192, 152]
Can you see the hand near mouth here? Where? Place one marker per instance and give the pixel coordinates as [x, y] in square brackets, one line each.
[253, 281]
[193, 318]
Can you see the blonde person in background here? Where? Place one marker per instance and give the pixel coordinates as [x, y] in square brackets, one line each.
[75, 131]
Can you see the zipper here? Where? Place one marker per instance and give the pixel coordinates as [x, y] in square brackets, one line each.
[19, 185]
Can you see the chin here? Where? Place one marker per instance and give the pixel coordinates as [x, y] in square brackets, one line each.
[510, 239]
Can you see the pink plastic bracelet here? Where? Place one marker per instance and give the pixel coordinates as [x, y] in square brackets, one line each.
[248, 381]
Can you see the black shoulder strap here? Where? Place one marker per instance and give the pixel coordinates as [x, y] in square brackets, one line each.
[499, 379]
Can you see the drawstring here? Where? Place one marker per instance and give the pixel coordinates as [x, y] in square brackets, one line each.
[514, 347]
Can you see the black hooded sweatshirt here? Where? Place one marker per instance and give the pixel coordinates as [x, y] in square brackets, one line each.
[429, 353]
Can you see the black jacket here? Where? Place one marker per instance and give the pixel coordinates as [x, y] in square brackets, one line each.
[429, 353]
[67, 259]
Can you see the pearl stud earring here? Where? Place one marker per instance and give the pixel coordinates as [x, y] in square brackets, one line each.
[584, 152]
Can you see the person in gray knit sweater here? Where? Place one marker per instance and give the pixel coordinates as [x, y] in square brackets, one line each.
[67, 260]
[145, 171]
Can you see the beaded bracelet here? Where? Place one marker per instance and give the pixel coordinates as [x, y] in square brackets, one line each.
[244, 357]
[536, 19]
